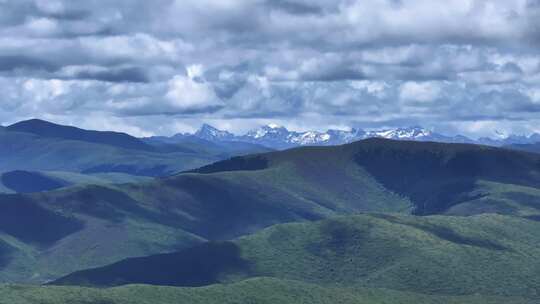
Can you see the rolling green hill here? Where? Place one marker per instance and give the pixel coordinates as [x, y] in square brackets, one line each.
[489, 255]
[91, 226]
[253, 291]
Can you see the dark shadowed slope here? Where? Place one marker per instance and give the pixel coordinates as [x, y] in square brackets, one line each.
[20, 181]
[198, 266]
[27, 182]
[438, 176]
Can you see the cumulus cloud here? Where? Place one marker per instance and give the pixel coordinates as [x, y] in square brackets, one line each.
[450, 65]
[188, 94]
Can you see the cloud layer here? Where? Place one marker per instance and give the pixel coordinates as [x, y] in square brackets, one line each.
[158, 67]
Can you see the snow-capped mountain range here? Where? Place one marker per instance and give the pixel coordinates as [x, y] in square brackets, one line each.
[278, 137]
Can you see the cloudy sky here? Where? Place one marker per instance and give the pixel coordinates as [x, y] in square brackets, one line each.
[163, 66]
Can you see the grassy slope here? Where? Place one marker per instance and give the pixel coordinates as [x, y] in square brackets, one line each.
[490, 255]
[97, 178]
[491, 197]
[486, 254]
[259, 290]
[243, 195]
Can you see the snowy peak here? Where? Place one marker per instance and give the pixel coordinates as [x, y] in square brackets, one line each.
[412, 133]
[278, 137]
[309, 138]
[273, 126]
[208, 132]
[268, 131]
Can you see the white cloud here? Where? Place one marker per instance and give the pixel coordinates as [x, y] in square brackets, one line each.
[46, 89]
[423, 92]
[195, 71]
[42, 26]
[187, 94]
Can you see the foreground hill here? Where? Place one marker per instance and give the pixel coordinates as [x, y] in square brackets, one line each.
[90, 226]
[37, 145]
[255, 291]
[489, 255]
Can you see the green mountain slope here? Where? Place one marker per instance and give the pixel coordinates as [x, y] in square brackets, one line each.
[490, 255]
[245, 194]
[255, 291]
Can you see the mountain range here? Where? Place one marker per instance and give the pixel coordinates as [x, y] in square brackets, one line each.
[93, 225]
[279, 137]
[401, 220]
[374, 221]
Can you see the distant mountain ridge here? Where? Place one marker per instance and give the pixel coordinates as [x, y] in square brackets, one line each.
[51, 130]
[271, 136]
[210, 133]
[38, 145]
[279, 137]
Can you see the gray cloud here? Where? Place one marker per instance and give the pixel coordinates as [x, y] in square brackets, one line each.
[11, 63]
[295, 7]
[130, 74]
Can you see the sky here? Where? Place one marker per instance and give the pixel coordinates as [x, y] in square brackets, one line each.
[165, 66]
